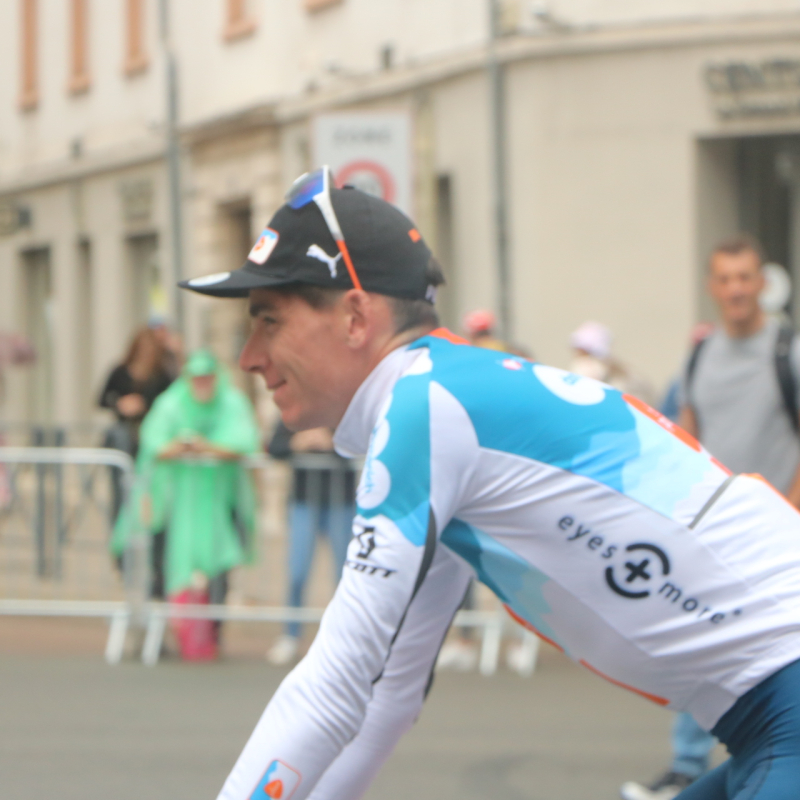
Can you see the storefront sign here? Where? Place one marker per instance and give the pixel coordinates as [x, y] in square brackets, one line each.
[368, 151]
[748, 90]
[137, 200]
[13, 217]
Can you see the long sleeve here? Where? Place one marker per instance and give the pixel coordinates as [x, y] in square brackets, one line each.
[385, 623]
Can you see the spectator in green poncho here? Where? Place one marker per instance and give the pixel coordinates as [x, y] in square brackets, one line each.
[192, 492]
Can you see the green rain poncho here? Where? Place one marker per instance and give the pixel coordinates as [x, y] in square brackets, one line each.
[206, 507]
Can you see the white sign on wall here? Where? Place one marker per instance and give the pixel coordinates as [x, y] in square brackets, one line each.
[369, 151]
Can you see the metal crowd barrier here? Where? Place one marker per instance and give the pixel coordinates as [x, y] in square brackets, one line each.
[56, 518]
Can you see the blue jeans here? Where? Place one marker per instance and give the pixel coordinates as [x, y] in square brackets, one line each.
[762, 734]
[691, 746]
[305, 521]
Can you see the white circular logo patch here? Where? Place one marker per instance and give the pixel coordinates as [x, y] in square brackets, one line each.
[572, 388]
[379, 438]
[210, 280]
[376, 482]
[422, 365]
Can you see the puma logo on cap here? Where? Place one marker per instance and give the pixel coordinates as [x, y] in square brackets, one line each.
[315, 251]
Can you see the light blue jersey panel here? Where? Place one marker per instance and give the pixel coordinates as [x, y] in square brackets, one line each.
[571, 423]
[513, 411]
[517, 583]
[396, 478]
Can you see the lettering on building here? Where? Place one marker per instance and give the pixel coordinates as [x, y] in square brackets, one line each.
[753, 90]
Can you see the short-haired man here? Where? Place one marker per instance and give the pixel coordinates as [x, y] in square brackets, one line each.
[733, 399]
[598, 523]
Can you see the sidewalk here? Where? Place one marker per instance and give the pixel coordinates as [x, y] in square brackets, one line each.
[76, 729]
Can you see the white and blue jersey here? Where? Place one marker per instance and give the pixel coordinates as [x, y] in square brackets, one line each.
[599, 524]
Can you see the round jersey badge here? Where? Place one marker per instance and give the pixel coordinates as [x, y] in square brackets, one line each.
[375, 485]
[573, 388]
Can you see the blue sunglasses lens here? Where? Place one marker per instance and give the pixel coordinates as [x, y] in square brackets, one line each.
[306, 188]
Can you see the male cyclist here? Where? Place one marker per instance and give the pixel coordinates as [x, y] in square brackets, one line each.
[599, 524]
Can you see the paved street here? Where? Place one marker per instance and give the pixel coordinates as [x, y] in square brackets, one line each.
[73, 728]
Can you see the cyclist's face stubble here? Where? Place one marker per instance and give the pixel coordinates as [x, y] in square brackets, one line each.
[311, 359]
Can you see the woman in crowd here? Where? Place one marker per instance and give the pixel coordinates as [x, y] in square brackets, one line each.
[132, 387]
[193, 494]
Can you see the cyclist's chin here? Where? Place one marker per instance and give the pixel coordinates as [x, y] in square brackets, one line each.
[296, 417]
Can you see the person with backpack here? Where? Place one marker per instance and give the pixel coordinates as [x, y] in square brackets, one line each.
[739, 397]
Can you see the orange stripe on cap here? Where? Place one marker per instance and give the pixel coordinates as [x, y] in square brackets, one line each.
[348, 263]
[525, 624]
[660, 419]
[662, 701]
[443, 333]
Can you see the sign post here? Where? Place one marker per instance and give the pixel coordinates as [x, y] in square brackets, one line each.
[371, 151]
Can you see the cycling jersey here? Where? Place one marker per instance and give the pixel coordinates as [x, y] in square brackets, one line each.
[599, 525]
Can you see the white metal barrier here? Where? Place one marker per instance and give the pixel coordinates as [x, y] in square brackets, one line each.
[129, 605]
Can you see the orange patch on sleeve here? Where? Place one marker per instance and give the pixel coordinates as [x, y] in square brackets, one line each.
[414, 235]
[662, 701]
[443, 333]
[660, 419]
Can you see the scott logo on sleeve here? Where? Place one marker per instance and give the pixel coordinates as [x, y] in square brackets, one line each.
[279, 782]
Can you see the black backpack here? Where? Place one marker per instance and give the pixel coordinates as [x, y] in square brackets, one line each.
[783, 371]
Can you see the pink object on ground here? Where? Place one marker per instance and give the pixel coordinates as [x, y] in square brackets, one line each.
[195, 637]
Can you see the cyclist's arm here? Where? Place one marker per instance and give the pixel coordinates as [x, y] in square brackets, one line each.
[321, 704]
[398, 696]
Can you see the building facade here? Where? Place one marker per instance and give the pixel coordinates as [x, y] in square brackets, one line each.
[633, 141]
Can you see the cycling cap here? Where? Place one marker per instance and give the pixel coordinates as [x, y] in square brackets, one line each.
[388, 253]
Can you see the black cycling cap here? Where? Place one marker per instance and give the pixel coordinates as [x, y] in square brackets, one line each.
[387, 251]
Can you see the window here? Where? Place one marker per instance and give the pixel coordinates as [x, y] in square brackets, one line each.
[238, 23]
[29, 83]
[318, 5]
[136, 60]
[79, 80]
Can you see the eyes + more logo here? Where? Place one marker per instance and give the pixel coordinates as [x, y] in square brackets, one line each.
[639, 571]
[642, 571]
[574, 389]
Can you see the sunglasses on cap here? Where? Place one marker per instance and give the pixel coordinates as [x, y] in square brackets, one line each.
[315, 187]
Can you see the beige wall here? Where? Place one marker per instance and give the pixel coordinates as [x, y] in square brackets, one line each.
[230, 175]
[63, 215]
[614, 202]
[620, 177]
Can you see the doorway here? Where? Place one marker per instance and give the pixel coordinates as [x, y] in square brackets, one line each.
[752, 184]
[148, 300]
[38, 327]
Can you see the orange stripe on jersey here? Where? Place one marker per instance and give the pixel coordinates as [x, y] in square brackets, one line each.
[443, 333]
[720, 465]
[763, 480]
[662, 701]
[526, 624]
[660, 419]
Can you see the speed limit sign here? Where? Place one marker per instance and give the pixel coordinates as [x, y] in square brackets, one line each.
[368, 151]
